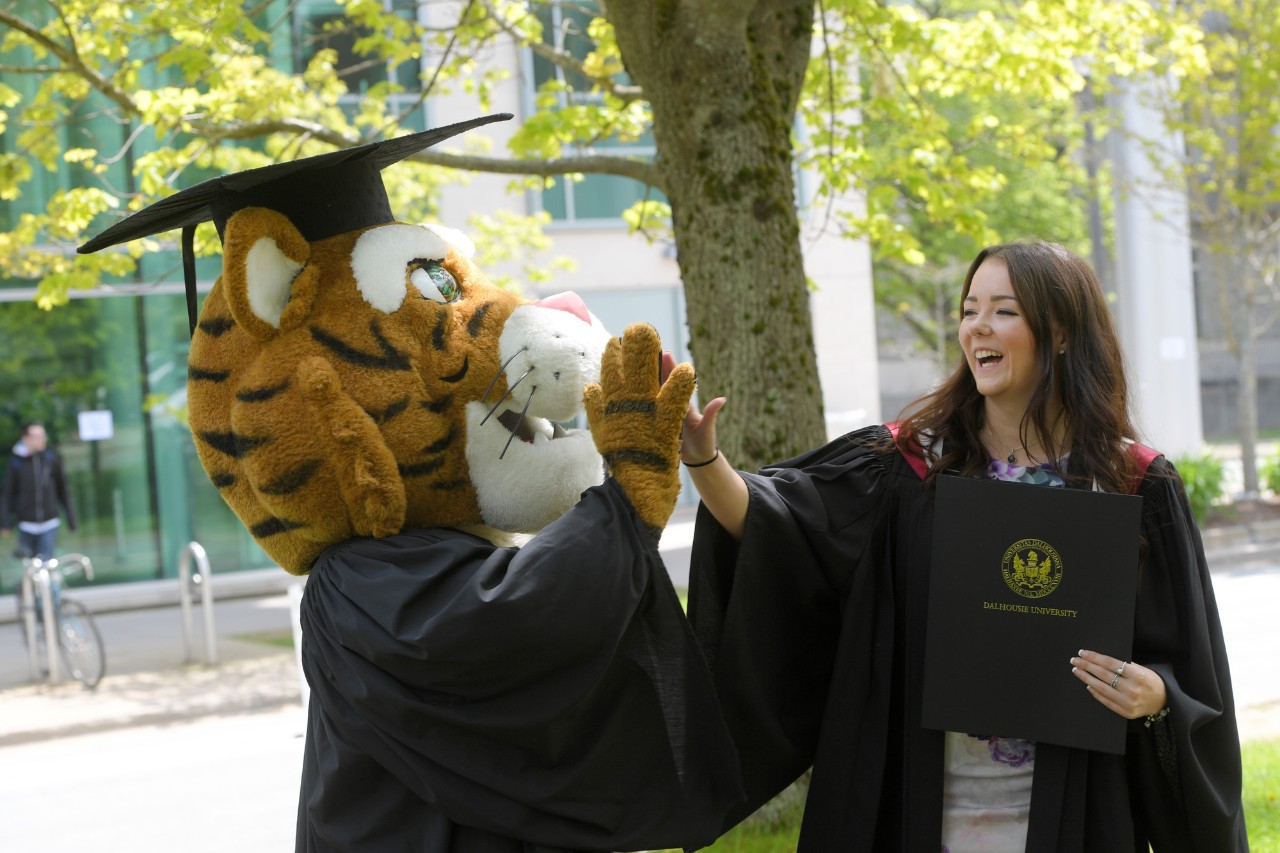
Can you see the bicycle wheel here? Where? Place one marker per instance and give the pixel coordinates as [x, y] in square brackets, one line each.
[81, 644]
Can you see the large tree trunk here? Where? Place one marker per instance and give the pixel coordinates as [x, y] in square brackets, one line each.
[723, 78]
[1247, 393]
[1247, 411]
[1235, 290]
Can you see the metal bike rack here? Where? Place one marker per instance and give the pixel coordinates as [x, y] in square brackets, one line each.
[45, 576]
[203, 578]
[29, 621]
[37, 576]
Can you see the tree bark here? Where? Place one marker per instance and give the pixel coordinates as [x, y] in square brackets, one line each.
[1244, 292]
[1237, 290]
[1247, 407]
[723, 78]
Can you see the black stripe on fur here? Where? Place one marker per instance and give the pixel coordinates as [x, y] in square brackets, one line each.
[440, 445]
[292, 480]
[200, 374]
[437, 334]
[419, 469]
[461, 374]
[439, 406]
[274, 526]
[449, 485]
[475, 324]
[390, 359]
[634, 456]
[396, 408]
[261, 395]
[642, 407]
[216, 327]
[232, 443]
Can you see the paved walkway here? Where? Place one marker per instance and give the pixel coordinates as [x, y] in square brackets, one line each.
[168, 753]
[150, 679]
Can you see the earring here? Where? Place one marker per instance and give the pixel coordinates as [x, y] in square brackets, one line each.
[1062, 351]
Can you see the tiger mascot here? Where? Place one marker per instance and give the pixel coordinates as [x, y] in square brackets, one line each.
[385, 422]
[376, 381]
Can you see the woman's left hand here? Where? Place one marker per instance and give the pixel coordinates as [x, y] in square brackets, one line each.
[1137, 692]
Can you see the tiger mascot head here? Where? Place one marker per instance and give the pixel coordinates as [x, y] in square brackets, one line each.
[375, 380]
[352, 375]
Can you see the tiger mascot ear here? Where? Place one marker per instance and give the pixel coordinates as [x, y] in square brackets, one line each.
[262, 255]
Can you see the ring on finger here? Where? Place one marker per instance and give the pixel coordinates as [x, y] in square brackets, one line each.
[1123, 664]
[1115, 681]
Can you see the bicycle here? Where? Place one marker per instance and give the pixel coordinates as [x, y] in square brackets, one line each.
[79, 642]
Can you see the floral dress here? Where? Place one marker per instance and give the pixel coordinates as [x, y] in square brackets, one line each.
[986, 795]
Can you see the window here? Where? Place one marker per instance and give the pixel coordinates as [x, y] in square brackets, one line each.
[321, 25]
[596, 198]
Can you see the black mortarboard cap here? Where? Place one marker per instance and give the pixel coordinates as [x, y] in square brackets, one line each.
[322, 196]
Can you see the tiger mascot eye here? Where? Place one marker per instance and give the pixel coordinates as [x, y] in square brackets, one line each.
[383, 419]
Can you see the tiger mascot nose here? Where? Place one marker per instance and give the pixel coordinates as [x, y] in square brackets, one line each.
[567, 301]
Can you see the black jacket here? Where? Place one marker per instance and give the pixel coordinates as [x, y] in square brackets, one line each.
[34, 486]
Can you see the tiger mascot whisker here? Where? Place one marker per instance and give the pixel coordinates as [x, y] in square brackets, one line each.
[511, 387]
[497, 376]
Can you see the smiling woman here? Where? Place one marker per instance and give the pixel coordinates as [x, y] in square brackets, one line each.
[809, 586]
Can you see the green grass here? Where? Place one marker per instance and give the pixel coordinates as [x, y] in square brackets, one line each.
[740, 839]
[773, 829]
[1232, 439]
[1261, 808]
[1262, 793]
[284, 639]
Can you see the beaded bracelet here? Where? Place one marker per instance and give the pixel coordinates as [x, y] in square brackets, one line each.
[702, 464]
[1156, 717]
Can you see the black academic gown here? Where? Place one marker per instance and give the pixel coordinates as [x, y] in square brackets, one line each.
[814, 625]
[492, 700]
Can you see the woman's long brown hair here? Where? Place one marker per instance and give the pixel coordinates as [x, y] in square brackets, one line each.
[1059, 295]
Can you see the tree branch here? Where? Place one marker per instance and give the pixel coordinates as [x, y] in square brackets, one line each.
[435, 74]
[564, 60]
[925, 330]
[75, 65]
[638, 170]
[34, 69]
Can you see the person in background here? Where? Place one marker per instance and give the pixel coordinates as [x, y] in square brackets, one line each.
[34, 489]
[809, 585]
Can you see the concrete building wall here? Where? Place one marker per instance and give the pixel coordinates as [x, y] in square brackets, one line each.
[1156, 305]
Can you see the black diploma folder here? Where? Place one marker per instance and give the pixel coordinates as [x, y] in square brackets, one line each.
[1024, 576]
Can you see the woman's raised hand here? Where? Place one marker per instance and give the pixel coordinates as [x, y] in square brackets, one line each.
[699, 435]
[721, 488]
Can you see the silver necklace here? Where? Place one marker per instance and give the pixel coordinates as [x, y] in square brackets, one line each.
[1013, 454]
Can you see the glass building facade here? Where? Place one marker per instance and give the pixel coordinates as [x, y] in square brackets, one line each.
[139, 492]
[135, 483]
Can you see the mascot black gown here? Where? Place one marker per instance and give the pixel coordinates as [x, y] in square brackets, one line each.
[384, 420]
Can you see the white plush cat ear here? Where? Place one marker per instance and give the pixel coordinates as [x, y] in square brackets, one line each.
[262, 255]
[459, 242]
